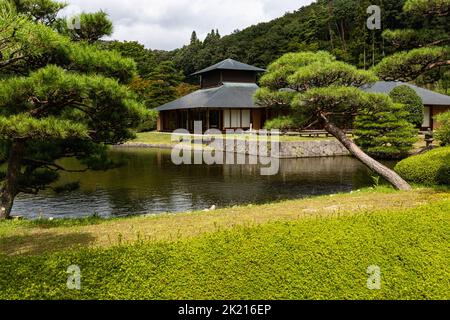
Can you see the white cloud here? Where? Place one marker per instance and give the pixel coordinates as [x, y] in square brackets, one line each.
[167, 24]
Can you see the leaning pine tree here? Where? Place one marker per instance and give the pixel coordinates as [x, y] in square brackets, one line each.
[57, 99]
[322, 91]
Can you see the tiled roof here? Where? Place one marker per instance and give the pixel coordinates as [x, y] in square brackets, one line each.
[230, 64]
[428, 97]
[229, 95]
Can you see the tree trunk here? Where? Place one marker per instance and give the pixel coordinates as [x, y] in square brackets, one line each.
[330, 31]
[10, 187]
[343, 36]
[388, 174]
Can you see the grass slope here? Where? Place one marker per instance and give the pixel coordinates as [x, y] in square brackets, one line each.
[317, 253]
[40, 236]
[158, 138]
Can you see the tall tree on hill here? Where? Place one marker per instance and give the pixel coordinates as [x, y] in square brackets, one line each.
[344, 14]
[187, 58]
[163, 82]
[323, 91]
[146, 60]
[57, 99]
[194, 38]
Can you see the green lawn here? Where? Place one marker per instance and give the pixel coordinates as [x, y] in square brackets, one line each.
[316, 248]
[159, 138]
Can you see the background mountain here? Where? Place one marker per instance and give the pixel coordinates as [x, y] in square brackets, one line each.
[337, 26]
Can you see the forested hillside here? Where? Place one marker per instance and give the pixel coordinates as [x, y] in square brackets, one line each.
[337, 26]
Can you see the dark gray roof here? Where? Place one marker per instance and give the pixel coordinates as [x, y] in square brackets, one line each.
[428, 97]
[230, 64]
[229, 95]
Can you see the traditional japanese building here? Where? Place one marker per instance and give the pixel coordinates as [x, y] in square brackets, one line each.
[224, 101]
[435, 103]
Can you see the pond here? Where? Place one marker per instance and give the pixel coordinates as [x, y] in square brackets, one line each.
[149, 182]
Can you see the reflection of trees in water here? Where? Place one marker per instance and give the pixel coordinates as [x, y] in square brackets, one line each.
[150, 182]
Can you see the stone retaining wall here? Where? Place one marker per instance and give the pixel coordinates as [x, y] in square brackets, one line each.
[288, 150]
[312, 149]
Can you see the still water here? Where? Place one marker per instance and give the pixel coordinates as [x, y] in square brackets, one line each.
[149, 182]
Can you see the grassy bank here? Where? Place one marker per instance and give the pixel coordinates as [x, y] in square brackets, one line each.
[158, 138]
[302, 249]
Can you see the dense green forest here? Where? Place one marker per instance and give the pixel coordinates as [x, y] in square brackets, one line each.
[337, 26]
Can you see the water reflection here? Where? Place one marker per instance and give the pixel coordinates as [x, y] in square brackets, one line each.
[150, 183]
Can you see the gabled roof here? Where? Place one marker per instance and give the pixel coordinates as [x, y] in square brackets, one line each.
[230, 95]
[428, 97]
[230, 64]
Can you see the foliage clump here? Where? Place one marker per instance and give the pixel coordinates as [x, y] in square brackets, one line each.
[383, 129]
[431, 168]
[443, 132]
[283, 123]
[93, 26]
[412, 103]
[58, 98]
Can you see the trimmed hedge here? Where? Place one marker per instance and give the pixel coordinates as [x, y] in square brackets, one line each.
[431, 168]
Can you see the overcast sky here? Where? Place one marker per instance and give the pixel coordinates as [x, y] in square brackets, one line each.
[168, 24]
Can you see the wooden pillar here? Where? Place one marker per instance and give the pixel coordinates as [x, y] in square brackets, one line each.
[432, 118]
[257, 119]
[188, 119]
[159, 122]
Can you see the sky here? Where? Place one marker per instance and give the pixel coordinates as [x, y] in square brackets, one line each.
[168, 24]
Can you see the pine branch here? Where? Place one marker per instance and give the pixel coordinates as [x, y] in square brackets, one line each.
[52, 166]
[10, 61]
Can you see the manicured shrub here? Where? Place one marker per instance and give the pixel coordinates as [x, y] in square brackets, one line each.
[430, 168]
[411, 102]
[382, 129]
[443, 133]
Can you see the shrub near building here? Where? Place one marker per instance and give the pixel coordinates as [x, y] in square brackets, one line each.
[431, 168]
[383, 130]
[443, 133]
[411, 102]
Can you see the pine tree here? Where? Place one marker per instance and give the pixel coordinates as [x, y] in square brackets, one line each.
[322, 91]
[383, 130]
[194, 38]
[431, 50]
[163, 81]
[57, 99]
[411, 102]
[93, 26]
